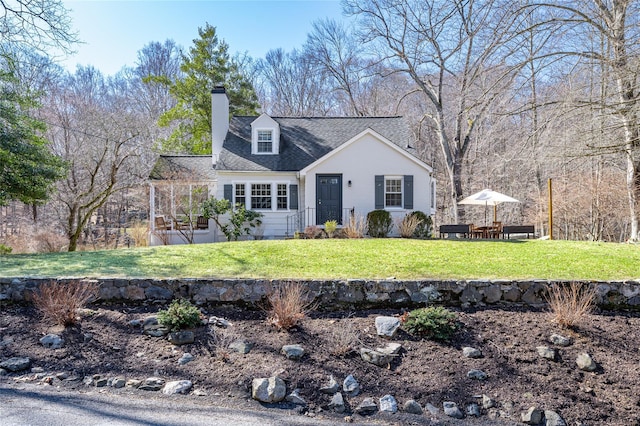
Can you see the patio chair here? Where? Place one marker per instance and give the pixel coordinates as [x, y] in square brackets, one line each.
[496, 230]
[202, 223]
[161, 225]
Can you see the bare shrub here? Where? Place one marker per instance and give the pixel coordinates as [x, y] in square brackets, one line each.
[570, 304]
[312, 232]
[408, 225]
[344, 338]
[139, 232]
[289, 303]
[60, 301]
[356, 227]
[50, 242]
[219, 341]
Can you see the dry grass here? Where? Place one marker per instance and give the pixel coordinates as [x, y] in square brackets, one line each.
[50, 242]
[219, 341]
[408, 225]
[571, 303]
[356, 227]
[60, 302]
[139, 233]
[344, 338]
[288, 305]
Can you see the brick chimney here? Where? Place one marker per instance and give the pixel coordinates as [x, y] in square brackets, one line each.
[219, 120]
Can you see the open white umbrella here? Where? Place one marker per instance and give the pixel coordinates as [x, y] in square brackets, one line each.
[487, 197]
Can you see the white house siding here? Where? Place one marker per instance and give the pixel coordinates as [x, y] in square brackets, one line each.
[274, 221]
[359, 162]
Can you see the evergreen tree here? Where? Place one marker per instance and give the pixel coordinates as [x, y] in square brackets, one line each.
[206, 65]
[28, 170]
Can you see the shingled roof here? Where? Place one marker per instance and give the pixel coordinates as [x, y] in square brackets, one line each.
[303, 140]
[183, 167]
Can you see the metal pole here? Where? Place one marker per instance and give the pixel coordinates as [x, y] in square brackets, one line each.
[550, 210]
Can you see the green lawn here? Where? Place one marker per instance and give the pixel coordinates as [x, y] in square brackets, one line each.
[339, 259]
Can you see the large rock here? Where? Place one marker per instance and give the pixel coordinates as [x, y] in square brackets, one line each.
[295, 398]
[533, 416]
[412, 407]
[178, 386]
[151, 327]
[182, 337]
[52, 341]
[268, 390]
[551, 418]
[388, 404]
[387, 326]
[366, 407]
[350, 386]
[16, 364]
[241, 346]
[477, 375]
[292, 351]
[547, 353]
[560, 340]
[585, 362]
[381, 357]
[152, 384]
[186, 358]
[451, 409]
[337, 403]
[332, 387]
[469, 352]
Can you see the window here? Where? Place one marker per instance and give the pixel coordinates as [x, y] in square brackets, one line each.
[265, 141]
[393, 192]
[282, 196]
[261, 196]
[240, 195]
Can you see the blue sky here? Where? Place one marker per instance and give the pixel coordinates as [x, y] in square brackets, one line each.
[113, 31]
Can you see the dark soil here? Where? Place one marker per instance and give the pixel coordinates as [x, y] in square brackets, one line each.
[427, 371]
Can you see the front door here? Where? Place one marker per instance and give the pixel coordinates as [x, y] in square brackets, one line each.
[328, 198]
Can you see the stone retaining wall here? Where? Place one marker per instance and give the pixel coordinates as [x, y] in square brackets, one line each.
[338, 294]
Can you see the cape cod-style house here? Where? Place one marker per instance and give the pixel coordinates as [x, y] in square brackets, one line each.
[296, 171]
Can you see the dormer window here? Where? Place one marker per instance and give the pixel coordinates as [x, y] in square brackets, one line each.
[265, 141]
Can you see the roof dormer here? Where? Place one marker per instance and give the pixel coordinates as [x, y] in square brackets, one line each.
[265, 136]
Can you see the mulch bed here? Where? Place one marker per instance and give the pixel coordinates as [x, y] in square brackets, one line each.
[430, 372]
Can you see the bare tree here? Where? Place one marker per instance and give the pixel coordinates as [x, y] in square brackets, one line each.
[35, 24]
[460, 56]
[95, 129]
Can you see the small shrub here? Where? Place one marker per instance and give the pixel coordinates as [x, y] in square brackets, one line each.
[288, 305]
[330, 227]
[433, 322]
[408, 225]
[180, 315]
[139, 233]
[355, 228]
[379, 223]
[60, 301]
[312, 231]
[219, 341]
[5, 249]
[425, 227]
[570, 304]
[344, 338]
[50, 242]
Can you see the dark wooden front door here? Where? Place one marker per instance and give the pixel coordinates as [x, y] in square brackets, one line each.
[328, 198]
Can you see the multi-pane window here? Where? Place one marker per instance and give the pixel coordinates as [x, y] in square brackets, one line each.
[261, 196]
[393, 192]
[282, 196]
[240, 195]
[265, 141]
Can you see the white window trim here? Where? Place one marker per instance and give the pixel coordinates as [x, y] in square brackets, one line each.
[274, 194]
[401, 179]
[256, 141]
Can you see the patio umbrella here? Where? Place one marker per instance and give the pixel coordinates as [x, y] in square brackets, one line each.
[487, 197]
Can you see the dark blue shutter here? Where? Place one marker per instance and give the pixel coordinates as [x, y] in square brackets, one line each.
[379, 182]
[293, 197]
[408, 191]
[228, 193]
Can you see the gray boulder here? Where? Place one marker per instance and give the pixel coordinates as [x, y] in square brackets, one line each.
[178, 386]
[547, 353]
[270, 389]
[469, 352]
[52, 341]
[451, 409]
[337, 403]
[551, 418]
[152, 384]
[332, 387]
[241, 346]
[560, 340]
[350, 386]
[585, 362]
[388, 404]
[387, 326]
[292, 351]
[16, 364]
[477, 375]
[182, 337]
[186, 358]
[366, 407]
[473, 410]
[295, 398]
[412, 407]
[533, 416]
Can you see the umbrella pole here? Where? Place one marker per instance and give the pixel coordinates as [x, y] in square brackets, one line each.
[495, 212]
